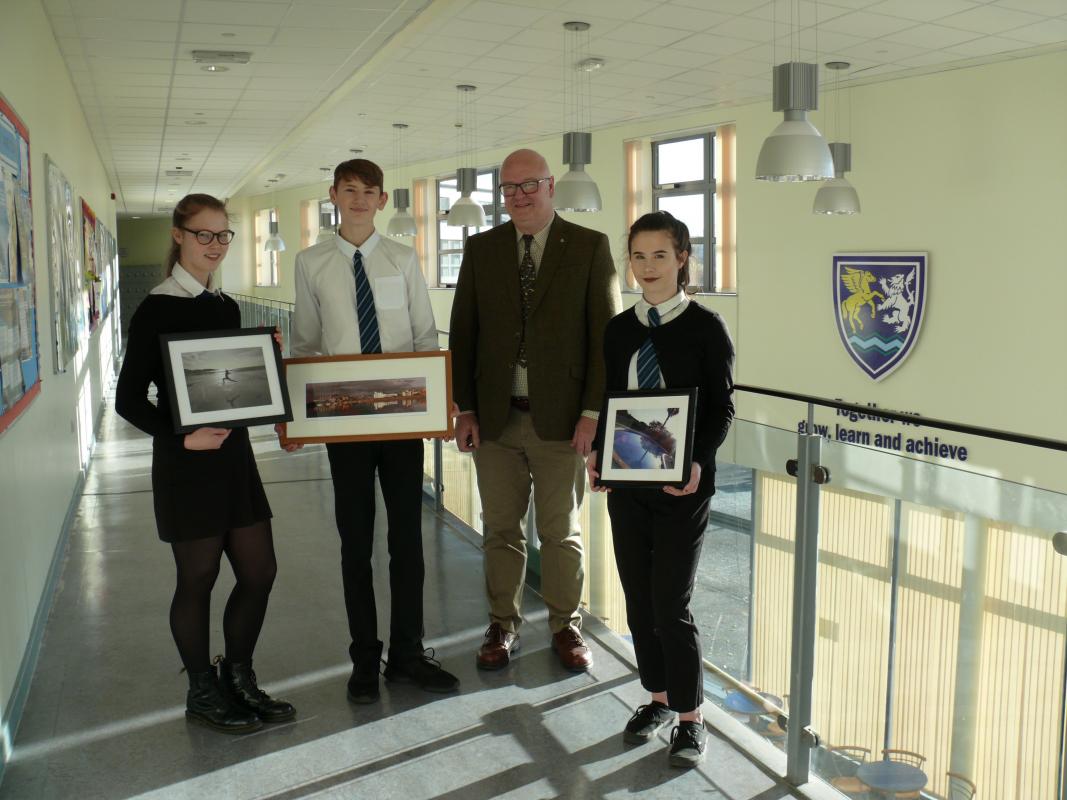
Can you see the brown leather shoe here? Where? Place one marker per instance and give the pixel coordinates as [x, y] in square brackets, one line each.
[496, 650]
[572, 650]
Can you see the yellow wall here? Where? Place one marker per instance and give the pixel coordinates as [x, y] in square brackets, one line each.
[39, 459]
[967, 165]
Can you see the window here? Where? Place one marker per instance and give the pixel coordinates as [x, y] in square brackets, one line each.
[683, 184]
[266, 261]
[311, 212]
[450, 241]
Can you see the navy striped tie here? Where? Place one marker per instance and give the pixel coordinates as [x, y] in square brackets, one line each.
[369, 339]
[647, 364]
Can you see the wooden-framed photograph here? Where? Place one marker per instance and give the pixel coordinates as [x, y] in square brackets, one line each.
[225, 379]
[648, 439]
[369, 397]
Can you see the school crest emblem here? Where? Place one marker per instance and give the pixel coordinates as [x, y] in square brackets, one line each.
[879, 300]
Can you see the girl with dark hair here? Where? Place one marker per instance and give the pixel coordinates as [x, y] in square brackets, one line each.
[667, 341]
[207, 493]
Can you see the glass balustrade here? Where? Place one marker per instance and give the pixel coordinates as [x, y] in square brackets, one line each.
[934, 629]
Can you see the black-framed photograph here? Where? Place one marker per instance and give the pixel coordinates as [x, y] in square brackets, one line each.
[225, 379]
[648, 439]
[373, 397]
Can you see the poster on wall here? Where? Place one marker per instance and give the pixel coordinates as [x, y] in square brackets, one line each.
[19, 372]
[90, 267]
[106, 247]
[64, 267]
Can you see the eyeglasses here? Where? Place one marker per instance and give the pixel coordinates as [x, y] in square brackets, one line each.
[528, 187]
[205, 237]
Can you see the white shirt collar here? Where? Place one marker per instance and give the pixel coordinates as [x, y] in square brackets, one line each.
[190, 284]
[348, 250]
[667, 310]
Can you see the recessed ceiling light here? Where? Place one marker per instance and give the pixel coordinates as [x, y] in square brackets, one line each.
[361, 114]
[356, 150]
[589, 64]
[195, 122]
[134, 217]
[215, 68]
[228, 35]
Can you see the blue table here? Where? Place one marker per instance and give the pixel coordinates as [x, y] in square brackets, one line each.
[892, 777]
[740, 703]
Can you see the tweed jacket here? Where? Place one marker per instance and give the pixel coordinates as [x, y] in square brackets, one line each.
[576, 293]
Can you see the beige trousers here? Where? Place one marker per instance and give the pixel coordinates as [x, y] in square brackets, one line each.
[507, 467]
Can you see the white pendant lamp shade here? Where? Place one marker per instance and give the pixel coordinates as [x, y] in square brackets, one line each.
[465, 212]
[795, 150]
[577, 191]
[274, 242]
[837, 196]
[402, 223]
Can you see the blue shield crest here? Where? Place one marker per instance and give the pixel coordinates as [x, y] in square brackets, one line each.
[879, 299]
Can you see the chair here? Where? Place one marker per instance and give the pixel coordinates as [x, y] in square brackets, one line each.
[905, 757]
[960, 788]
[842, 765]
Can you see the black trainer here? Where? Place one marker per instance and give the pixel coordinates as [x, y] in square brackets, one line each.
[688, 741]
[646, 722]
[238, 682]
[363, 685]
[424, 671]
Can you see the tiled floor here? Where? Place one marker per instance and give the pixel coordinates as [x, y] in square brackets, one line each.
[105, 719]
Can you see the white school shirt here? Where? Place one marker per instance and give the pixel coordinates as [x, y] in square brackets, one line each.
[325, 321]
[668, 310]
[181, 284]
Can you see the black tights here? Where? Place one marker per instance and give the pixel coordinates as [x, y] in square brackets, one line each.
[250, 552]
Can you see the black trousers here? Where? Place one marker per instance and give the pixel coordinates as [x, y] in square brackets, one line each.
[657, 541]
[399, 468]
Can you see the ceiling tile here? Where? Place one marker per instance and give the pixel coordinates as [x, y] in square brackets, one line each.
[933, 37]
[685, 18]
[712, 45]
[1049, 31]
[124, 29]
[990, 19]
[647, 34]
[154, 10]
[1050, 8]
[195, 34]
[986, 46]
[921, 10]
[863, 23]
[231, 16]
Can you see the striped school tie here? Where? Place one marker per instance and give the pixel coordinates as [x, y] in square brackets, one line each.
[648, 376]
[369, 339]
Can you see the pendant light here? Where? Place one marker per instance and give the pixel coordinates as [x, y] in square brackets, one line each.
[838, 196]
[795, 150]
[274, 243]
[576, 190]
[465, 212]
[402, 224]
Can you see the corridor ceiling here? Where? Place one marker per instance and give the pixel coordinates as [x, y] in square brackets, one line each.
[329, 76]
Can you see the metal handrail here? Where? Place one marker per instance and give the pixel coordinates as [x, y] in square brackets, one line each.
[914, 419]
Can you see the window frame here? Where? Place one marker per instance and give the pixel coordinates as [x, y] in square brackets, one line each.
[442, 216]
[266, 261]
[707, 185]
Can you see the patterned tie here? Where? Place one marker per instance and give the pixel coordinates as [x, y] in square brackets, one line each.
[369, 339]
[648, 376]
[527, 277]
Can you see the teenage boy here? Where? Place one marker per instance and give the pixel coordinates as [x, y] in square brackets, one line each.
[361, 292]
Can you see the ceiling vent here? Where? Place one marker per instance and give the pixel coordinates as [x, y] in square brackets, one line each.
[177, 173]
[221, 56]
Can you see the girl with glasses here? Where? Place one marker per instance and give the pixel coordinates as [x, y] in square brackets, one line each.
[666, 341]
[206, 489]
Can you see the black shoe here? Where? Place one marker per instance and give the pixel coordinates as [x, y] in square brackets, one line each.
[206, 704]
[363, 685]
[688, 741]
[422, 670]
[238, 682]
[646, 722]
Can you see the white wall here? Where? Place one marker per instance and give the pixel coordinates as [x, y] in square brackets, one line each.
[39, 454]
[966, 164]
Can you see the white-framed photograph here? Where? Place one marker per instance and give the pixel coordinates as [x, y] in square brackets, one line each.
[648, 439]
[225, 379]
[369, 397]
